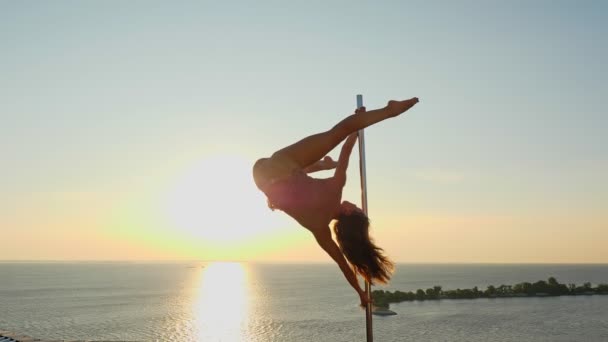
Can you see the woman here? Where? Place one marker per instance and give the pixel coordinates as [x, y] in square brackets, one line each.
[314, 203]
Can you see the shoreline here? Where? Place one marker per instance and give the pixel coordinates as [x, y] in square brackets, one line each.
[10, 336]
[6, 335]
[541, 288]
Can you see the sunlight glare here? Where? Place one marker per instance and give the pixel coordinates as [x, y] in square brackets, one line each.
[217, 201]
[222, 308]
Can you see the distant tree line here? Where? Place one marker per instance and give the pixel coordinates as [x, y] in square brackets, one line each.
[540, 288]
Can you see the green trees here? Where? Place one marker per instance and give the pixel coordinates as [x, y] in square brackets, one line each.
[552, 281]
[433, 293]
[420, 295]
[541, 288]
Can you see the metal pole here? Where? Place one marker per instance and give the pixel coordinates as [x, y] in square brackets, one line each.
[368, 288]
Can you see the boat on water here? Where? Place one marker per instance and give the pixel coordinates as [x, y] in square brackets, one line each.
[383, 312]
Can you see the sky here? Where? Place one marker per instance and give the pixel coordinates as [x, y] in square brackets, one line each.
[128, 129]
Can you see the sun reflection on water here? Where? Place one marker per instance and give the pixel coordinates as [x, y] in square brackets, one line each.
[222, 306]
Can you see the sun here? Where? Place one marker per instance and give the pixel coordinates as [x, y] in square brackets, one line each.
[215, 200]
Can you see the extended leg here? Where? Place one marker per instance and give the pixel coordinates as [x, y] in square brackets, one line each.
[312, 148]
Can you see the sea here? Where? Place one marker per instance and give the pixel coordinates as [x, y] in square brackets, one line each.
[221, 301]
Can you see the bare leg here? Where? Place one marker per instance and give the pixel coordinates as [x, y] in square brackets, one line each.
[312, 148]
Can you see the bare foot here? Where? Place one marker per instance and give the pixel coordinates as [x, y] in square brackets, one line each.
[398, 107]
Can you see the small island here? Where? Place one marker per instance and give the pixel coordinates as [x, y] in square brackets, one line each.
[541, 288]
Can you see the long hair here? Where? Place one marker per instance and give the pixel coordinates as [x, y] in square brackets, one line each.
[352, 233]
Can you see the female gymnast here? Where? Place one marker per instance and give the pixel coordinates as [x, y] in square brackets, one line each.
[314, 202]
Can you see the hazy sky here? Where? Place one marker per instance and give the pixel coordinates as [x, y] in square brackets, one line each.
[128, 128]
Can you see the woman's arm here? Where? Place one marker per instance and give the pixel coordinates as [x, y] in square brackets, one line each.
[347, 148]
[324, 239]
